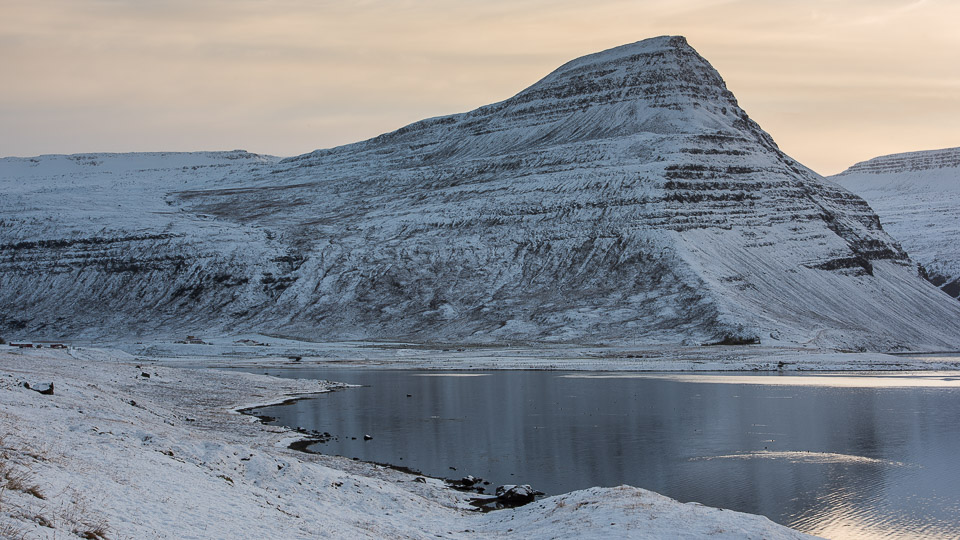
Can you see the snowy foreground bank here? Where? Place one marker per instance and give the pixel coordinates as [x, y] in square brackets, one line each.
[123, 449]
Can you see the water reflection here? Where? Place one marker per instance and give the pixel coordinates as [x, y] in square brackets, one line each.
[859, 458]
[808, 457]
[832, 380]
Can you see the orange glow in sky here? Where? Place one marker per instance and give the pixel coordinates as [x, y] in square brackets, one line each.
[834, 82]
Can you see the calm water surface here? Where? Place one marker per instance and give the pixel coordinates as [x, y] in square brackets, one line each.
[845, 456]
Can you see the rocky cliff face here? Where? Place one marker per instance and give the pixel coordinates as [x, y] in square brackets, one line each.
[917, 196]
[625, 197]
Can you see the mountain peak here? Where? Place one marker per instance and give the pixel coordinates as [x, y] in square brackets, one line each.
[656, 86]
[654, 45]
[631, 51]
[663, 72]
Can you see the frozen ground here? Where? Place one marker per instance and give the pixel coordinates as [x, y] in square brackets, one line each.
[116, 454]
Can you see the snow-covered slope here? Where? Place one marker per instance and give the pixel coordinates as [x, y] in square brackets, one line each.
[625, 197]
[917, 196]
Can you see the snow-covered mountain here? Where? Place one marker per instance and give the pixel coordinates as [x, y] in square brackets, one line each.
[624, 197]
[917, 196]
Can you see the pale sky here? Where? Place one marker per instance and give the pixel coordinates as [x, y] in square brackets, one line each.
[834, 82]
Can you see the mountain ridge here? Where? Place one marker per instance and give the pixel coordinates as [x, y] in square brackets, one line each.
[589, 78]
[906, 161]
[623, 197]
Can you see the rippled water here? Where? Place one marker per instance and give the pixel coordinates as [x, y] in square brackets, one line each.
[844, 456]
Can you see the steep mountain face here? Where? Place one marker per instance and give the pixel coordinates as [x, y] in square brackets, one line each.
[917, 196]
[88, 244]
[625, 197]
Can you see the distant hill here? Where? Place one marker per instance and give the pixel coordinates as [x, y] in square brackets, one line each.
[917, 196]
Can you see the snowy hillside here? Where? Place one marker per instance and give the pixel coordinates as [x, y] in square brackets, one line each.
[917, 196]
[625, 197]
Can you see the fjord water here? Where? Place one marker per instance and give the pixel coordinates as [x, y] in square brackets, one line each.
[844, 456]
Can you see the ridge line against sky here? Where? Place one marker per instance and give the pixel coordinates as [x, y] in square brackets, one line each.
[833, 82]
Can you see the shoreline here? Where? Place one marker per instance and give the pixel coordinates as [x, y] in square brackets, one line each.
[170, 454]
[275, 352]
